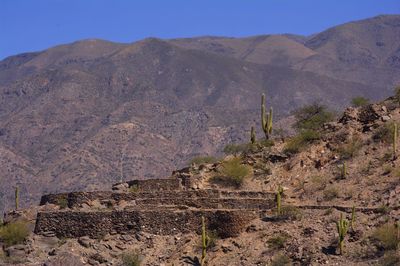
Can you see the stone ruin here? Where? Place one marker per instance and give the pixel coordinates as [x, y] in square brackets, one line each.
[156, 206]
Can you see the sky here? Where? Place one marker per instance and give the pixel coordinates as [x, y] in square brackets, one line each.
[34, 25]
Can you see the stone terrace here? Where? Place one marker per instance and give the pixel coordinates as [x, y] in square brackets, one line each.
[158, 206]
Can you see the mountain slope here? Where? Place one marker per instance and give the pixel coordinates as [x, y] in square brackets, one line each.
[83, 115]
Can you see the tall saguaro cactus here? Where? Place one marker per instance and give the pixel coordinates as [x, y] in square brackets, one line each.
[266, 119]
[16, 198]
[203, 241]
[253, 135]
[342, 227]
[395, 141]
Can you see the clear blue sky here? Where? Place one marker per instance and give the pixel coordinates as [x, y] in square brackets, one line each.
[32, 25]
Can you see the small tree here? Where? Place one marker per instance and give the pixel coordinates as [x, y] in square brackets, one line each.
[359, 101]
[312, 117]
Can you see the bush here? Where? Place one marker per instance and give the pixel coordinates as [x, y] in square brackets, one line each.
[62, 202]
[280, 260]
[397, 94]
[131, 258]
[278, 241]
[384, 133]
[312, 117]
[300, 141]
[359, 101]
[203, 160]
[232, 173]
[290, 213]
[350, 149]
[236, 148]
[387, 235]
[14, 233]
[331, 193]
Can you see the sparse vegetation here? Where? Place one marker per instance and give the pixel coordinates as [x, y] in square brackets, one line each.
[266, 119]
[280, 260]
[342, 228]
[351, 148]
[387, 236]
[359, 101]
[203, 160]
[16, 198]
[14, 233]
[134, 188]
[62, 202]
[384, 133]
[131, 258]
[289, 212]
[312, 117]
[391, 258]
[300, 141]
[331, 193]
[278, 241]
[232, 173]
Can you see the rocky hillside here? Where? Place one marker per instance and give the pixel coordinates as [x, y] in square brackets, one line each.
[348, 168]
[90, 113]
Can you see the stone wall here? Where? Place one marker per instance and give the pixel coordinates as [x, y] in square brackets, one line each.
[227, 223]
[156, 184]
[208, 199]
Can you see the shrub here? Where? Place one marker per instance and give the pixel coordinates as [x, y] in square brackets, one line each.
[131, 258]
[14, 233]
[359, 101]
[384, 133]
[280, 260]
[203, 160]
[350, 149]
[331, 193]
[237, 148]
[62, 202]
[318, 182]
[387, 235]
[291, 213]
[397, 94]
[232, 173]
[300, 141]
[312, 117]
[278, 241]
[134, 188]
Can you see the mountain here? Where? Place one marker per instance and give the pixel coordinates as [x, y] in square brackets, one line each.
[86, 114]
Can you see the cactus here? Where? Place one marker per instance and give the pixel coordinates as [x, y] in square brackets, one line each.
[253, 135]
[266, 119]
[395, 141]
[353, 217]
[16, 198]
[279, 201]
[342, 227]
[344, 170]
[203, 241]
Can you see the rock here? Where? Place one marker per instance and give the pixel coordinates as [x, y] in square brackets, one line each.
[226, 248]
[120, 187]
[17, 251]
[93, 262]
[64, 259]
[84, 241]
[126, 238]
[277, 157]
[53, 252]
[48, 234]
[385, 118]
[99, 257]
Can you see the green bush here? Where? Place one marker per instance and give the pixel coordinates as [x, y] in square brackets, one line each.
[312, 117]
[291, 213]
[300, 141]
[351, 148]
[203, 160]
[359, 101]
[131, 258]
[278, 241]
[387, 236]
[14, 233]
[384, 133]
[62, 202]
[232, 173]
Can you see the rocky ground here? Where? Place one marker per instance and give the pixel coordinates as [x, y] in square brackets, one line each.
[316, 193]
